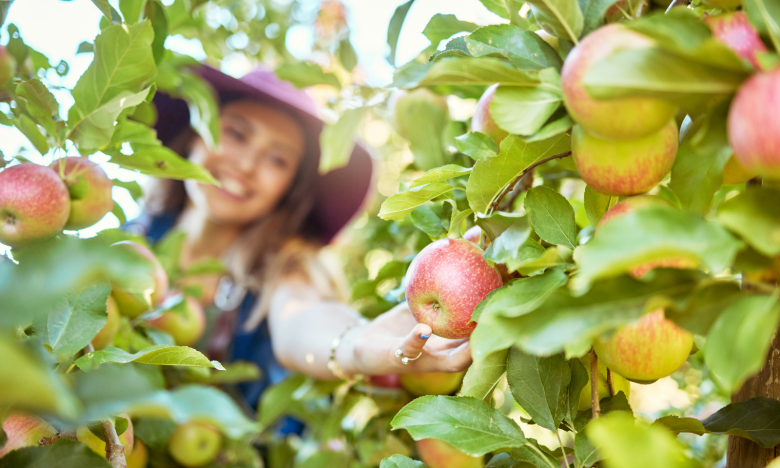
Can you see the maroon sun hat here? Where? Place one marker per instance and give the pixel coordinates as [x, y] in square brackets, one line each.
[338, 195]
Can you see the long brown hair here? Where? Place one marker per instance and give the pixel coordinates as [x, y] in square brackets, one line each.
[272, 248]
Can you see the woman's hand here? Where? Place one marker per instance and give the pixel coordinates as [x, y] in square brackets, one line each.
[372, 347]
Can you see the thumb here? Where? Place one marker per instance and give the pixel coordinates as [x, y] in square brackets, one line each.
[413, 344]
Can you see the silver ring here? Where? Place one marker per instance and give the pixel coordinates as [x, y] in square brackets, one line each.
[405, 360]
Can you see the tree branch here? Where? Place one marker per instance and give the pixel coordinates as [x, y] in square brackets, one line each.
[115, 451]
[509, 188]
[610, 382]
[594, 384]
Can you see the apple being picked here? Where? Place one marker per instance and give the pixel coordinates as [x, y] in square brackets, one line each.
[431, 383]
[133, 304]
[24, 430]
[90, 191]
[184, 321]
[436, 453]
[34, 204]
[445, 282]
[646, 350]
[483, 122]
[194, 444]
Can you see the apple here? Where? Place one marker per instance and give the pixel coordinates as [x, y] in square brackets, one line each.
[619, 382]
[483, 122]
[34, 204]
[185, 322]
[106, 334]
[385, 381]
[140, 456]
[90, 191]
[405, 103]
[626, 167]
[445, 282]
[734, 173]
[613, 119]
[7, 66]
[735, 30]
[431, 383]
[85, 436]
[436, 453]
[24, 430]
[613, 13]
[473, 234]
[194, 444]
[646, 350]
[754, 124]
[131, 304]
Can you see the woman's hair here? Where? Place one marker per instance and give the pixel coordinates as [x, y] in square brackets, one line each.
[279, 245]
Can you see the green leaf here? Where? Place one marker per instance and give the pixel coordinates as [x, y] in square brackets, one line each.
[132, 10]
[524, 110]
[79, 318]
[305, 74]
[108, 11]
[554, 128]
[755, 216]
[594, 14]
[207, 266]
[157, 355]
[580, 376]
[132, 187]
[678, 425]
[400, 461]
[508, 247]
[705, 305]
[394, 28]
[476, 145]
[64, 452]
[277, 399]
[541, 457]
[482, 377]
[346, 54]
[525, 49]
[561, 18]
[442, 27]
[338, 140]
[739, 341]
[202, 102]
[161, 161]
[114, 81]
[398, 206]
[765, 16]
[552, 216]
[625, 444]
[477, 71]
[155, 433]
[497, 223]
[539, 384]
[584, 451]
[119, 213]
[457, 221]
[498, 7]
[755, 419]
[428, 222]
[645, 235]
[469, 424]
[441, 174]
[27, 126]
[40, 103]
[490, 176]
[597, 204]
[155, 11]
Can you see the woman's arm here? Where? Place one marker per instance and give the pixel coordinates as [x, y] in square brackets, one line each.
[303, 328]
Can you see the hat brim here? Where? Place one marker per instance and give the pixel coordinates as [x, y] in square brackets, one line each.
[338, 195]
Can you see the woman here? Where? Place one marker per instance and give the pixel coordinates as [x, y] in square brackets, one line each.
[268, 221]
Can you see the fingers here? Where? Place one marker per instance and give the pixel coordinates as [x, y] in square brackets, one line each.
[413, 344]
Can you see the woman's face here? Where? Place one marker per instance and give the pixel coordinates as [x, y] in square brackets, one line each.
[258, 156]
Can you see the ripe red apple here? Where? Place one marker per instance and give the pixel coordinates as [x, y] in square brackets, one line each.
[431, 383]
[445, 282]
[34, 204]
[613, 119]
[626, 167]
[473, 234]
[405, 103]
[132, 304]
[24, 430]
[85, 436]
[90, 191]
[140, 456]
[646, 350]
[7, 66]
[106, 334]
[754, 124]
[483, 122]
[185, 322]
[385, 381]
[735, 30]
[620, 383]
[194, 444]
[436, 453]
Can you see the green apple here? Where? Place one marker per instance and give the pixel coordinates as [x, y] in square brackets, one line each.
[24, 430]
[619, 382]
[133, 304]
[436, 453]
[85, 436]
[646, 350]
[106, 335]
[431, 383]
[89, 188]
[194, 444]
[185, 322]
[140, 456]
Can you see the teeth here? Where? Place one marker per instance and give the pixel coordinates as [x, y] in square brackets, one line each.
[233, 187]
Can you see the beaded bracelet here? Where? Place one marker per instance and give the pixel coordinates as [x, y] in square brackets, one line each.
[333, 365]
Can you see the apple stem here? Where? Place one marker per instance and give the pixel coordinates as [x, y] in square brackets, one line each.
[115, 451]
[594, 383]
[610, 382]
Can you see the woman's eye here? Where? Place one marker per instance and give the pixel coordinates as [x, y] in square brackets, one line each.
[234, 133]
[278, 161]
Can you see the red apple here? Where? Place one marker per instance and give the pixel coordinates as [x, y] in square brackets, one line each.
[619, 382]
[483, 122]
[646, 350]
[626, 167]
[754, 124]
[385, 381]
[613, 119]
[34, 204]
[90, 191]
[431, 383]
[473, 234]
[436, 453]
[735, 30]
[185, 322]
[194, 444]
[445, 282]
[402, 104]
[132, 304]
[85, 436]
[24, 430]
[7, 66]
[106, 335]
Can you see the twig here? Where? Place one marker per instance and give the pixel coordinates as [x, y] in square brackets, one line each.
[610, 382]
[115, 451]
[594, 383]
[528, 169]
[525, 183]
